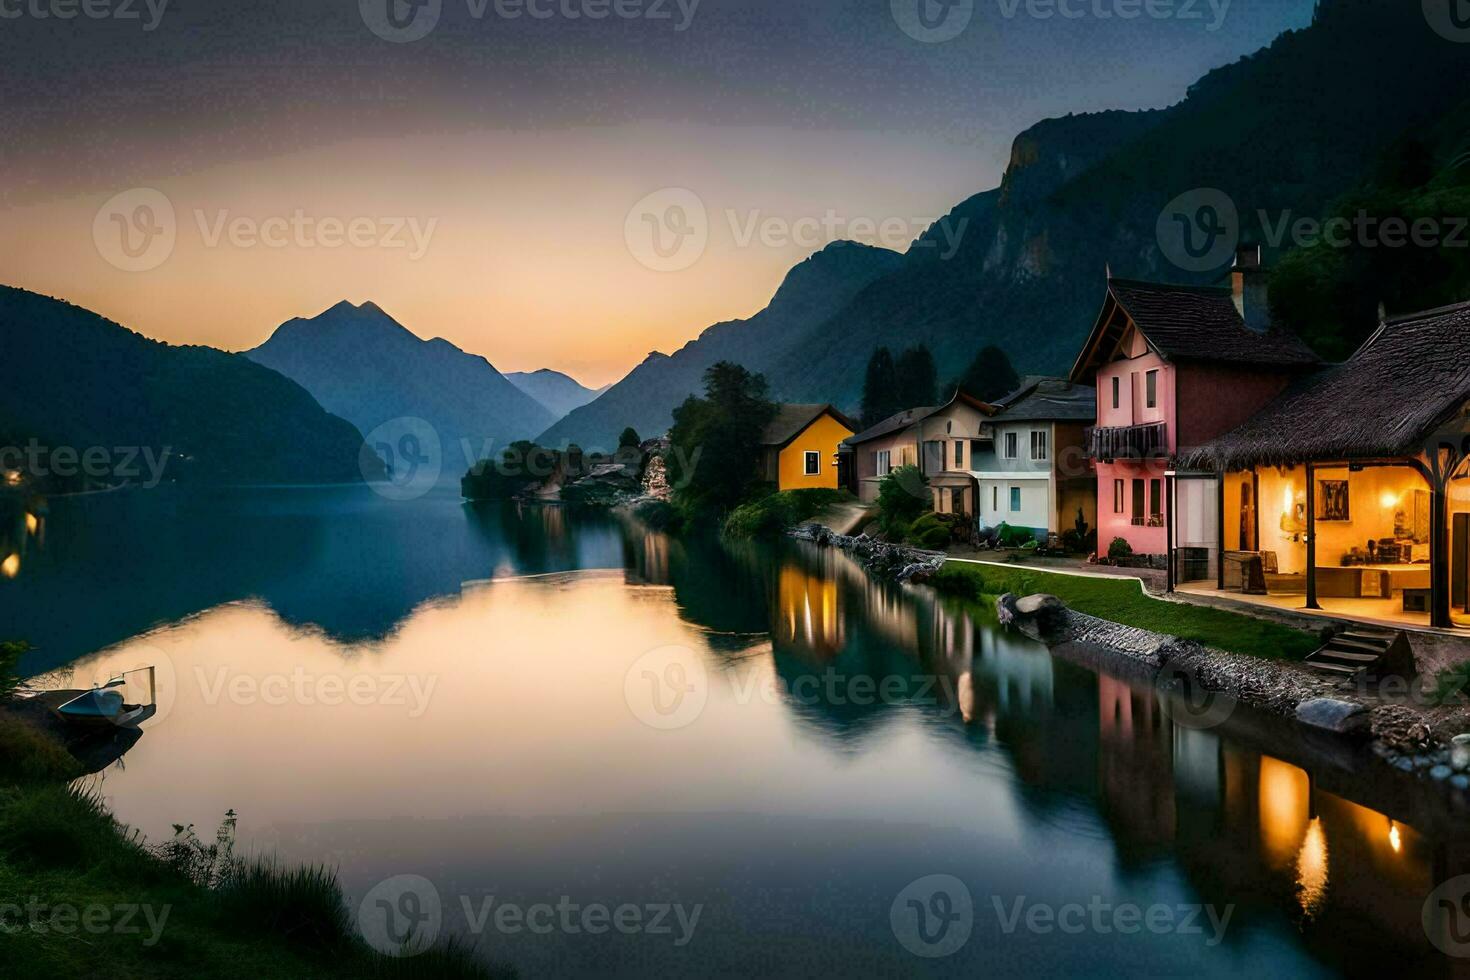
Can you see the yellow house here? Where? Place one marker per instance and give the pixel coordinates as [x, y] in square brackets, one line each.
[800, 447]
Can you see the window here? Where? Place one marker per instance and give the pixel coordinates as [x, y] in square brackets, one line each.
[1013, 445]
[959, 455]
[1118, 493]
[1156, 503]
[1117, 388]
[813, 464]
[1038, 446]
[1151, 383]
[1015, 500]
[1138, 503]
[883, 462]
[995, 499]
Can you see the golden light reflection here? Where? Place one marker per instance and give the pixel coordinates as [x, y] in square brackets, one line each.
[808, 611]
[10, 567]
[1394, 841]
[33, 523]
[12, 477]
[1311, 869]
[1286, 796]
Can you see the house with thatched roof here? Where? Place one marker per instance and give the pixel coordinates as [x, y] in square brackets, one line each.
[1351, 490]
[1175, 366]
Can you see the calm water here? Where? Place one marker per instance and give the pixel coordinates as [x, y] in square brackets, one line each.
[535, 707]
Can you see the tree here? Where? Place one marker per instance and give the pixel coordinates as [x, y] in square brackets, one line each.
[903, 497]
[990, 376]
[714, 465]
[629, 439]
[918, 380]
[880, 388]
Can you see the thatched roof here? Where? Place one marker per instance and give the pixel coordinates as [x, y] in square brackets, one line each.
[792, 420]
[1409, 380]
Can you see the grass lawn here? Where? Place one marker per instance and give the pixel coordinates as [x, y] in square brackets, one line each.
[1122, 600]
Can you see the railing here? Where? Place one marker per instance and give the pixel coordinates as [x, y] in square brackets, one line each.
[1128, 442]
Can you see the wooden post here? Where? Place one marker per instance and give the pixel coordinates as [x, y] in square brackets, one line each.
[1220, 530]
[1171, 491]
[1439, 577]
[1312, 602]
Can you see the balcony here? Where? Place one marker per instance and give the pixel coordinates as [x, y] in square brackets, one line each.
[1149, 441]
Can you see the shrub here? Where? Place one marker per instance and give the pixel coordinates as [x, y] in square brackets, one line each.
[59, 827]
[10, 654]
[1120, 548]
[1015, 537]
[903, 497]
[930, 531]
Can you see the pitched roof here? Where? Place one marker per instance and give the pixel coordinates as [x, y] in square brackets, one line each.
[792, 420]
[1409, 380]
[1049, 400]
[1197, 323]
[913, 416]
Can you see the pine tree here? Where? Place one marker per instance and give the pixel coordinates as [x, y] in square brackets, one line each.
[880, 388]
[918, 379]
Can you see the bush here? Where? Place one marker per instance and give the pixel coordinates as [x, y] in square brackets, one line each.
[59, 827]
[303, 905]
[903, 497]
[930, 531]
[1015, 537]
[772, 515]
[10, 654]
[1120, 548]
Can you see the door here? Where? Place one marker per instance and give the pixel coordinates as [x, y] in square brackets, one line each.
[933, 458]
[1248, 516]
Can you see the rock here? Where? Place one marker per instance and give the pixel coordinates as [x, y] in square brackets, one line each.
[1331, 715]
[1422, 762]
[1460, 753]
[1440, 773]
[1404, 764]
[1041, 617]
[1460, 781]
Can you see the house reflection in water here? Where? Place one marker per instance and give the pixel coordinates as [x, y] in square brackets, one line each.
[22, 527]
[809, 614]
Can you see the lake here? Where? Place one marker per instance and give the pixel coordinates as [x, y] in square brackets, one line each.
[599, 751]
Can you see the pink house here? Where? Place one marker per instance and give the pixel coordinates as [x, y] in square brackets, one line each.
[1175, 367]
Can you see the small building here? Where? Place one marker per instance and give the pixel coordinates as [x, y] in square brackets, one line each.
[1034, 471]
[1351, 491]
[799, 447]
[1174, 367]
[940, 440]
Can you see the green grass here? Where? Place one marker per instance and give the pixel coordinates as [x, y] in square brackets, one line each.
[773, 514]
[28, 755]
[1122, 600]
[63, 852]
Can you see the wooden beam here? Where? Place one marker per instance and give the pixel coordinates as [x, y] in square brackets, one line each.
[1220, 529]
[1439, 562]
[1312, 602]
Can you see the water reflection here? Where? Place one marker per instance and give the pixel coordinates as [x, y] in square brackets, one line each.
[856, 735]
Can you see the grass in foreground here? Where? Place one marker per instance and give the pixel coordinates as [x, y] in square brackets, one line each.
[81, 896]
[1123, 601]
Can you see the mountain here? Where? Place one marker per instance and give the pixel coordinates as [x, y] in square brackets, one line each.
[76, 382]
[1283, 132]
[646, 398]
[554, 391]
[364, 365]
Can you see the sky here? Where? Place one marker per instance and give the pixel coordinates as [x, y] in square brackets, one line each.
[549, 183]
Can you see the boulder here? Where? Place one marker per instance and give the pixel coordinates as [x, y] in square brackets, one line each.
[1041, 617]
[1460, 753]
[1331, 715]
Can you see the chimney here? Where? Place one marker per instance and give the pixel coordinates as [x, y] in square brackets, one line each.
[1248, 285]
